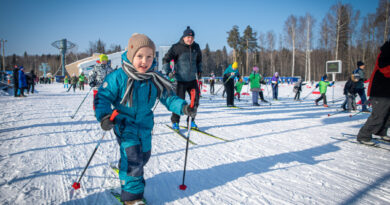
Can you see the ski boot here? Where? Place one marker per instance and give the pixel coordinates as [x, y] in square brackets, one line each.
[175, 126]
[194, 126]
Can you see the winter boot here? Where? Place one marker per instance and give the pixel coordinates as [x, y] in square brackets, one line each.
[316, 103]
[325, 105]
[175, 126]
[256, 104]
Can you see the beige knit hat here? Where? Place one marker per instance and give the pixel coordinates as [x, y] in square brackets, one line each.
[136, 42]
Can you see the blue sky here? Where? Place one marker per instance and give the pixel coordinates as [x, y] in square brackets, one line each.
[32, 25]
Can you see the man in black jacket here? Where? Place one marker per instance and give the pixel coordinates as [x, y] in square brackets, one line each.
[187, 57]
[16, 80]
[379, 92]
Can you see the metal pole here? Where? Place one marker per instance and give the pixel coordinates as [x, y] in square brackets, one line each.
[3, 43]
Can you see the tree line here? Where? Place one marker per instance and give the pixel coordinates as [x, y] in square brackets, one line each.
[343, 35]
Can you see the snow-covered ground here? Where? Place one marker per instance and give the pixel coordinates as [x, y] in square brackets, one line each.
[287, 153]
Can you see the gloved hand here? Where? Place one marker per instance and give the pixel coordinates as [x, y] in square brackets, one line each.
[106, 123]
[232, 73]
[199, 75]
[187, 110]
[171, 75]
[92, 84]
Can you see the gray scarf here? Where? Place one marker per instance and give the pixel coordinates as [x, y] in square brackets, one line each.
[160, 82]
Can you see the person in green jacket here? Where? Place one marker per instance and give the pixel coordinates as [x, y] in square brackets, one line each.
[81, 81]
[66, 82]
[238, 87]
[255, 79]
[323, 85]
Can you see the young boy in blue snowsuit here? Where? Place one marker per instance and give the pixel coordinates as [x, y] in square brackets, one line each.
[133, 90]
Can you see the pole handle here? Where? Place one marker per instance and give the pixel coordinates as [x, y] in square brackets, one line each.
[192, 93]
[113, 115]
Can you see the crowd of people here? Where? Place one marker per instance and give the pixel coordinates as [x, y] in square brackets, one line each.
[131, 93]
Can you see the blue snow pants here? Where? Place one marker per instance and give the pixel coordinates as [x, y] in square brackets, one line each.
[131, 168]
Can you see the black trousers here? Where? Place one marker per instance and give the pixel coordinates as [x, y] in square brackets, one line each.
[323, 96]
[16, 87]
[30, 87]
[181, 89]
[297, 95]
[229, 87]
[379, 120]
[212, 87]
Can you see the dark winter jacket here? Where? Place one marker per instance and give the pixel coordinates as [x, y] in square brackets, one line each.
[298, 86]
[349, 87]
[380, 77]
[22, 79]
[188, 61]
[16, 76]
[360, 83]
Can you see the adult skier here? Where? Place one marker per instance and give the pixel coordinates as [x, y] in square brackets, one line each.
[379, 121]
[188, 68]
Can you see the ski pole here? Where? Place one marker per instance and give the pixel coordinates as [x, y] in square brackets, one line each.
[223, 84]
[183, 186]
[335, 113]
[77, 185]
[81, 104]
[311, 92]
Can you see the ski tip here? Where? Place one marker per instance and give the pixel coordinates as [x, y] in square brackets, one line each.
[183, 187]
[76, 185]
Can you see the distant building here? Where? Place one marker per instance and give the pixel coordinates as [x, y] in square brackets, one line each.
[86, 65]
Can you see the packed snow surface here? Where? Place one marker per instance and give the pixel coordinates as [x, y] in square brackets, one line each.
[286, 153]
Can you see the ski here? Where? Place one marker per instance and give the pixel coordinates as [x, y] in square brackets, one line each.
[234, 107]
[374, 138]
[358, 143]
[181, 135]
[205, 133]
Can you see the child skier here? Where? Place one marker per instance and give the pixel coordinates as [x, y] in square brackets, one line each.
[238, 87]
[323, 85]
[133, 90]
[66, 82]
[255, 79]
[230, 73]
[298, 89]
[350, 95]
[212, 83]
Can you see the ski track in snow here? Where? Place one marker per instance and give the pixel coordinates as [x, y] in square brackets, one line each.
[284, 153]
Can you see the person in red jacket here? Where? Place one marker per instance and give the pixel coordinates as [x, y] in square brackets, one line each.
[379, 92]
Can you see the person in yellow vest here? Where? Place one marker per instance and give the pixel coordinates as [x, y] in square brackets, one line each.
[81, 81]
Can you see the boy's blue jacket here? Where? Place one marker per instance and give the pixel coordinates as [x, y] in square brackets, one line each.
[133, 124]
